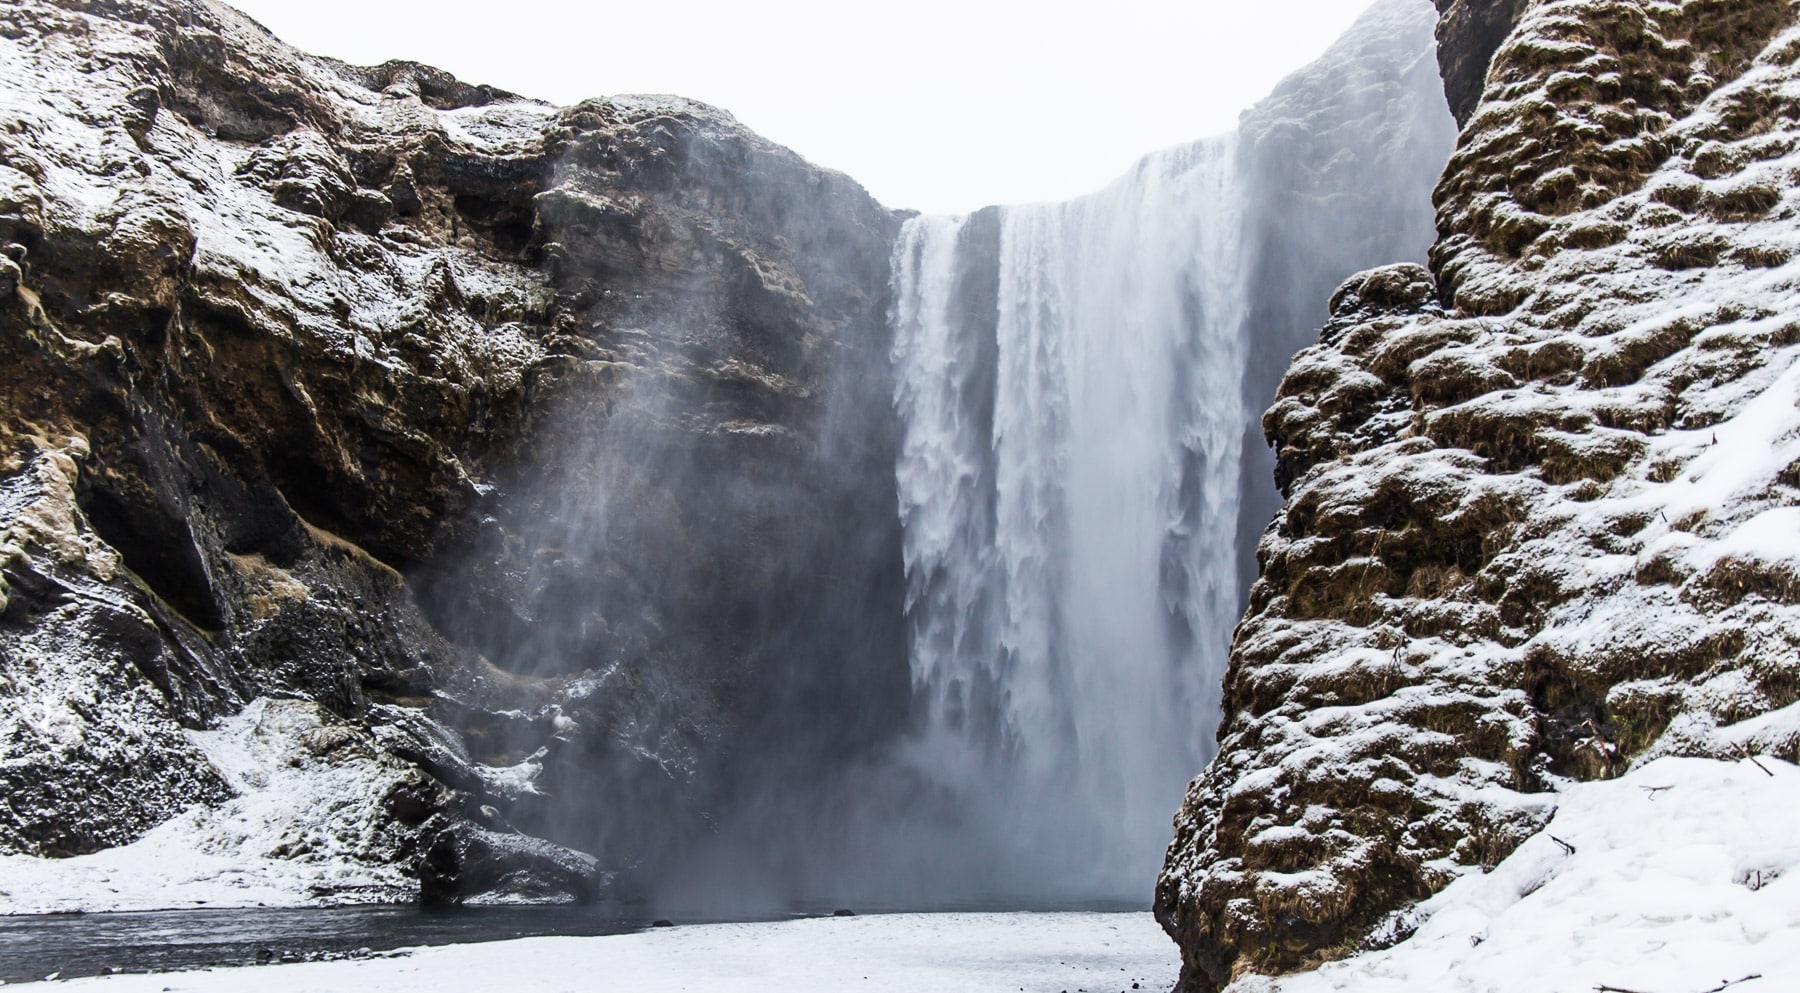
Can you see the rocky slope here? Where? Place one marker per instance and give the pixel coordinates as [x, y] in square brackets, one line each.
[295, 357]
[1541, 496]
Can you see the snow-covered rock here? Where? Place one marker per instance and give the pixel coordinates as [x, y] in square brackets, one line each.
[318, 814]
[1540, 525]
[296, 361]
[1678, 876]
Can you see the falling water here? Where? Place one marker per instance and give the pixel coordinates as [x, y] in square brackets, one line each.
[1069, 488]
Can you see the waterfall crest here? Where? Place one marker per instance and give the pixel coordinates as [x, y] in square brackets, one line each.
[1069, 390]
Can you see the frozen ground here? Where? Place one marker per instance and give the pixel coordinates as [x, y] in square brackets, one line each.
[900, 953]
[1680, 877]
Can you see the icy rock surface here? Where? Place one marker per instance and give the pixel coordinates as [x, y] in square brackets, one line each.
[1540, 524]
[285, 346]
[311, 820]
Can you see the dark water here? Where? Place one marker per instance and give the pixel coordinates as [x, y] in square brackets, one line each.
[93, 944]
[72, 945]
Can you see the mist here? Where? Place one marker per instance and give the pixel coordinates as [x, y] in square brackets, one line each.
[924, 602]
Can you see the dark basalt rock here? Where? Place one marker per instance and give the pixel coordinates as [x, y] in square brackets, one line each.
[466, 863]
[318, 401]
[1469, 32]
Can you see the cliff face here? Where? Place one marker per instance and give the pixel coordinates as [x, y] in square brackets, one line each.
[1540, 496]
[1335, 161]
[295, 358]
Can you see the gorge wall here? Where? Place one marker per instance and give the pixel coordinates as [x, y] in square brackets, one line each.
[429, 490]
[326, 384]
[409, 487]
[1540, 519]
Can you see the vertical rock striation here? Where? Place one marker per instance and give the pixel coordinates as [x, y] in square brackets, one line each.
[1540, 496]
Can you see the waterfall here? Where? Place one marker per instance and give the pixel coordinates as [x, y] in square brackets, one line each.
[1070, 392]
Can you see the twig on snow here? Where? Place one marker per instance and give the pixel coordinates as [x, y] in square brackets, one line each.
[1727, 984]
[1732, 982]
[1653, 790]
[1746, 754]
[1569, 850]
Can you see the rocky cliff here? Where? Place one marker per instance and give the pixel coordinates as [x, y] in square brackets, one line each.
[1541, 496]
[1334, 163]
[299, 364]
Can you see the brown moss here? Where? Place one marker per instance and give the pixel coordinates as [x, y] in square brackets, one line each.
[1393, 359]
[1594, 234]
[1433, 581]
[1715, 159]
[1453, 377]
[1761, 256]
[1734, 578]
[1658, 215]
[1641, 713]
[1683, 195]
[1344, 591]
[1600, 456]
[1694, 251]
[1506, 439]
[1745, 203]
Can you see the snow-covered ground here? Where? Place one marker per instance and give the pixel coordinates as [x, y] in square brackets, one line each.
[1677, 878]
[1680, 877]
[900, 953]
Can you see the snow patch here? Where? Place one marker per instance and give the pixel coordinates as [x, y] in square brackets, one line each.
[1674, 878]
[306, 828]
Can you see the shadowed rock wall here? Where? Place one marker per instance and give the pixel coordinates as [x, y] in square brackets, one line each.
[305, 370]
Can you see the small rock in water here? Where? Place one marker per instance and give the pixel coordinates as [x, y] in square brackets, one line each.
[843, 912]
[662, 923]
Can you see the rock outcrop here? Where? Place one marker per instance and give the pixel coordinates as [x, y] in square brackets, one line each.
[1541, 496]
[1469, 32]
[297, 360]
[1355, 136]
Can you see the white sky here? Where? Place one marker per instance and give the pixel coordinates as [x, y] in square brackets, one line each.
[940, 105]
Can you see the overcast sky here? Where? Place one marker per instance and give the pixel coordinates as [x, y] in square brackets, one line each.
[940, 105]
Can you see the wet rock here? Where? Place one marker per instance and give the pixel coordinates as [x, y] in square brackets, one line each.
[1469, 32]
[295, 375]
[468, 864]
